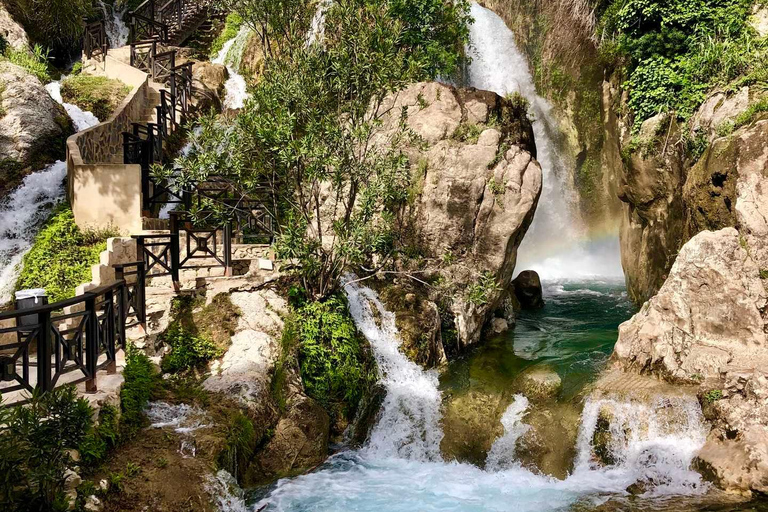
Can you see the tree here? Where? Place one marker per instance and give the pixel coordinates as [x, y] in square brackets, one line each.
[306, 142]
[55, 24]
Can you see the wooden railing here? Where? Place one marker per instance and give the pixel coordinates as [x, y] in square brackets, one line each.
[95, 42]
[69, 341]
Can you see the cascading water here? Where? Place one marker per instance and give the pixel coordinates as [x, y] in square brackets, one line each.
[555, 244]
[117, 31]
[27, 207]
[409, 424]
[230, 55]
[400, 468]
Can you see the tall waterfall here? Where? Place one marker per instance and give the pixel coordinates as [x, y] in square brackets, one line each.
[556, 245]
[409, 424]
[27, 207]
[230, 55]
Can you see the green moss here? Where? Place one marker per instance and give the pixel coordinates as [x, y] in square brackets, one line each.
[231, 28]
[96, 94]
[336, 367]
[467, 132]
[713, 395]
[187, 350]
[61, 256]
[763, 273]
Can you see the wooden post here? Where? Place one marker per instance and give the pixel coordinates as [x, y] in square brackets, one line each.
[109, 306]
[228, 249]
[44, 351]
[91, 343]
[175, 249]
[140, 295]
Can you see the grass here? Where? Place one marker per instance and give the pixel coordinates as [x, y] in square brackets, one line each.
[35, 62]
[62, 255]
[97, 94]
[469, 133]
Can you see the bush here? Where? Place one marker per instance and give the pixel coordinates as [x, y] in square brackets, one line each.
[140, 384]
[231, 28]
[34, 448]
[336, 368]
[187, 350]
[35, 62]
[61, 256]
[97, 94]
[239, 445]
[55, 24]
[680, 49]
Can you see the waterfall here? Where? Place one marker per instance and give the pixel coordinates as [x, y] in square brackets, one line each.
[230, 55]
[117, 31]
[26, 208]
[81, 119]
[317, 29]
[502, 453]
[556, 244]
[410, 415]
[654, 442]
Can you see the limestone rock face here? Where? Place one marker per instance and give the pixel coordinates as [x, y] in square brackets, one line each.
[208, 85]
[245, 371]
[717, 110]
[652, 227]
[12, 32]
[476, 186]
[706, 317]
[33, 125]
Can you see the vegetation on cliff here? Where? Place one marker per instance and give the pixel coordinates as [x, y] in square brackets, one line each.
[96, 94]
[311, 122]
[679, 50]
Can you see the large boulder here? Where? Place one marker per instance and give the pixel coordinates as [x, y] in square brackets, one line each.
[708, 315]
[208, 86]
[33, 127]
[12, 32]
[471, 423]
[527, 287]
[476, 185]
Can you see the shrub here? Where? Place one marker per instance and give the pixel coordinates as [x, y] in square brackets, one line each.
[479, 293]
[55, 24]
[335, 366]
[231, 28]
[239, 445]
[140, 383]
[187, 350]
[97, 94]
[34, 448]
[35, 62]
[61, 256]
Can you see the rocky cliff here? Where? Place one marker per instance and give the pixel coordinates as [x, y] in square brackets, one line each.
[475, 187]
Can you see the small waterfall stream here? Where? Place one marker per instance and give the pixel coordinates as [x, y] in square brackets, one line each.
[27, 207]
[117, 31]
[230, 55]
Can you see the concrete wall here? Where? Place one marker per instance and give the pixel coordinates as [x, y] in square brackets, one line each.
[103, 191]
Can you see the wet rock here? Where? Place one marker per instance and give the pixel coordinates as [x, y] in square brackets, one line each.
[527, 287]
[471, 423]
[602, 438]
[549, 445]
[499, 325]
[418, 320]
[540, 383]
[367, 414]
[208, 86]
[34, 127]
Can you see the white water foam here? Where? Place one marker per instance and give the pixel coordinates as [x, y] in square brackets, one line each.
[81, 119]
[555, 244]
[408, 427]
[21, 214]
[225, 491]
[400, 469]
[502, 453]
[230, 55]
[117, 31]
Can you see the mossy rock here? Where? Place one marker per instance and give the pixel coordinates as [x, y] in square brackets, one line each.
[471, 423]
[540, 383]
[549, 445]
[96, 94]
